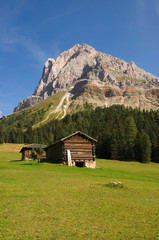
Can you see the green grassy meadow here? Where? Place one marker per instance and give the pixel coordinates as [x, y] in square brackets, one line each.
[52, 201]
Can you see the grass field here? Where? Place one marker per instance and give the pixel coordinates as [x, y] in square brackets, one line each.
[50, 201]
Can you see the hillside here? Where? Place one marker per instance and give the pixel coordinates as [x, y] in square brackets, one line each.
[97, 78]
[122, 133]
[39, 114]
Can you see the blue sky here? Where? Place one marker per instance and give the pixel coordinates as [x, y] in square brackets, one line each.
[33, 30]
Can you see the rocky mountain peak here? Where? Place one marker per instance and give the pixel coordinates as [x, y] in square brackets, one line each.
[82, 63]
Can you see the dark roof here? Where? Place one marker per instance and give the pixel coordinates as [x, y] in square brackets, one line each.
[30, 146]
[79, 133]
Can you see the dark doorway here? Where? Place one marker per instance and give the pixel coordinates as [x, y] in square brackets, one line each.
[79, 164]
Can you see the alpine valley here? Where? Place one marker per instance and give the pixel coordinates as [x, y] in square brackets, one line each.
[111, 100]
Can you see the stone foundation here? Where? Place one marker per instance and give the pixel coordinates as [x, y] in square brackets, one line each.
[88, 164]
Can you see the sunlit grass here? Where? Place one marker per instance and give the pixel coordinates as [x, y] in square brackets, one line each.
[11, 147]
[51, 201]
[35, 114]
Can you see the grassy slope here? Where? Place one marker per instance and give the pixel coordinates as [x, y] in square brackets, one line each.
[10, 147]
[36, 113]
[49, 201]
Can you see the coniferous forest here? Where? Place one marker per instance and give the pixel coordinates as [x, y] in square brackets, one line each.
[122, 133]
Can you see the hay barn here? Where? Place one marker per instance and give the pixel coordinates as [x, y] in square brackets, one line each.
[26, 151]
[77, 149]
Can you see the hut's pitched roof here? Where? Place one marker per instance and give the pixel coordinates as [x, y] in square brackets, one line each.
[80, 133]
[33, 145]
[76, 133]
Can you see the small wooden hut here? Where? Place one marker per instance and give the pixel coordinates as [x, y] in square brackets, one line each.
[77, 149]
[26, 151]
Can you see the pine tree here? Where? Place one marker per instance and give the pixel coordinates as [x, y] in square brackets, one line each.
[114, 147]
[144, 147]
[155, 153]
[130, 137]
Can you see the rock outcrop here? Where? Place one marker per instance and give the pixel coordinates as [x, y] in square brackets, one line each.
[96, 77]
[30, 101]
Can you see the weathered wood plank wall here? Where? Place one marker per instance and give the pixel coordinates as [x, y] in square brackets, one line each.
[82, 149]
[55, 152]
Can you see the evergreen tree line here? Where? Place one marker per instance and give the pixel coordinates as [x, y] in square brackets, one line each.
[122, 133]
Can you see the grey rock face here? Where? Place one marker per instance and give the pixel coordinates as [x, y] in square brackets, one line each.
[30, 101]
[83, 62]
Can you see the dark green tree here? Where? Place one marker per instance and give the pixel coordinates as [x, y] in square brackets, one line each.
[130, 138]
[144, 148]
[114, 146]
[155, 153]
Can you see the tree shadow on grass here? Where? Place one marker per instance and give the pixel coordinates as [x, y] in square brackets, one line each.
[29, 163]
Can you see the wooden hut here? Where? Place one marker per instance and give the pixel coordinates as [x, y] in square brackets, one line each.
[77, 149]
[26, 151]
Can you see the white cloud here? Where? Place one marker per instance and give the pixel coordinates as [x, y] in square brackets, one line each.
[61, 15]
[1, 113]
[12, 40]
[12, 37]
[35, 51]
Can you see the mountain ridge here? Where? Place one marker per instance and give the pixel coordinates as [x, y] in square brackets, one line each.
[82, 68]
